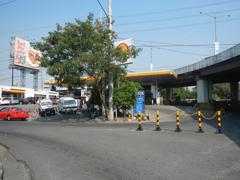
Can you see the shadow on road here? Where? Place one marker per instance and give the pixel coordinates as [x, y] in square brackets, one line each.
[65, 118]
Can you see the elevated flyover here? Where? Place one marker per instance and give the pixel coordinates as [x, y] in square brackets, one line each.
[223, 67]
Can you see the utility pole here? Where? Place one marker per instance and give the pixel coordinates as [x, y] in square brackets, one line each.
[151, 63]
[110, 84]
[12, 75]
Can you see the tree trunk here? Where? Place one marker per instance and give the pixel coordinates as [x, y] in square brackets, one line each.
[101, 90]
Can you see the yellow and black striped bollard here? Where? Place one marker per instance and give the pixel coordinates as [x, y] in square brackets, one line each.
[158, 122]
[178, 122]
[219, 124]
[200, 130]
[139, 116]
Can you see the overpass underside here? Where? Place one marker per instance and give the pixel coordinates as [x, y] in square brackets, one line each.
[222, 68]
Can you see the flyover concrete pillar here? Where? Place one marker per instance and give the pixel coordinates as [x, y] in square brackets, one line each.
[169, 95]
[155, 92]
[204, 91]
[234, 87]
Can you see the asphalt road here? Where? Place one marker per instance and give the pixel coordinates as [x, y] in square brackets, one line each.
[86, 150]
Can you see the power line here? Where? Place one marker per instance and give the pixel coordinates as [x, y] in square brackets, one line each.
[167, 44]
[184, 45]
[181, 52]
[173, 18]
[174, 27]
[157, 20]
[122, 24]
[177, 9]
[6, 3]
[102, 8]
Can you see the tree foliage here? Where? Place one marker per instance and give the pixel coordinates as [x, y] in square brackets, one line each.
[125, 96]
[184, 93]
[83, 48]
[221, 91]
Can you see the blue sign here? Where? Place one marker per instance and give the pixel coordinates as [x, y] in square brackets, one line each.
[139, 106]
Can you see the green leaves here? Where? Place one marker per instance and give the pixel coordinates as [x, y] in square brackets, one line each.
[84, 49]
[125, 96]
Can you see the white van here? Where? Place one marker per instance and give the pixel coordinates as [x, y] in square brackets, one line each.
[4, 101]
[67, 105]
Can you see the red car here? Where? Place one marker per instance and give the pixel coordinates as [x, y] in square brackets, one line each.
[10, 112]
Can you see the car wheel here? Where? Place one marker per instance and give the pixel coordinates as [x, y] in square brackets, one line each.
[23, 119]
[54, 113]
[8, 118]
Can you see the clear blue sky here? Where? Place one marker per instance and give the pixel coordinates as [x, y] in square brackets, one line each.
[179, 34]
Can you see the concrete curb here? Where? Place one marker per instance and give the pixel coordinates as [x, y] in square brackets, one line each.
[11, 168]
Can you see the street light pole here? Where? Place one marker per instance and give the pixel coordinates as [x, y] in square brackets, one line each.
[215, 28]
[216, 43]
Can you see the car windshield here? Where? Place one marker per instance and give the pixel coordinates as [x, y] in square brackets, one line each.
[46, 103]
[69, 102]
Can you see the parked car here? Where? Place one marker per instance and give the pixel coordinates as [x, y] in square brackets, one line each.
[30, 100]
[14, 100]
[22, 101]
[10, 113]
[46, 107]
[67, 105]
[4, 101]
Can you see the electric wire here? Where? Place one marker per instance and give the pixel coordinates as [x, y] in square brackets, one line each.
[173, 18]
[100, 4]
[181, 52]
[174, 27]
[177, 9]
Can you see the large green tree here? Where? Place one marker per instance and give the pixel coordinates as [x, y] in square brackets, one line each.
[83, 48]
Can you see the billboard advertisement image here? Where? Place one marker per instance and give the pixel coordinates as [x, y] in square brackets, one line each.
[125, 45]
[24, 55]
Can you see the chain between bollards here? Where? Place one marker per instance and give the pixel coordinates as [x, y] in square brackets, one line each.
[158, 122]
[219, 124]
[200, 130]
[178, 122]
[139, 116]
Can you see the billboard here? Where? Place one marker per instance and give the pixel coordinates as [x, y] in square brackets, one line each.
[23, 55]
[125, 45]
